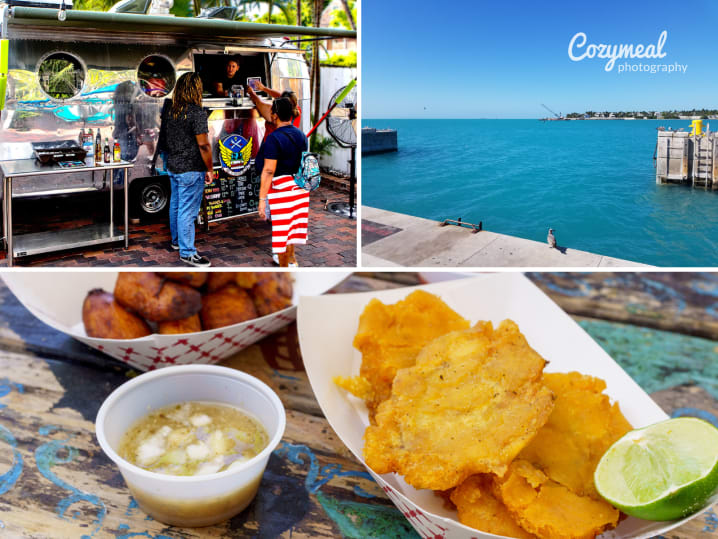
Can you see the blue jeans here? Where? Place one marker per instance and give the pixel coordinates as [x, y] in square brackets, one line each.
[185, 201]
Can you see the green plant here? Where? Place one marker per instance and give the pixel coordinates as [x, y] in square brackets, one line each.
[341, 60]
[322, 145]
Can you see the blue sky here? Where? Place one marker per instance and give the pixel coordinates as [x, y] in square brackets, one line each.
[493, 59]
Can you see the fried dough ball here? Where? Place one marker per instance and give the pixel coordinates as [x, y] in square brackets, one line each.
[272, 292]
[195, 279]
[104, 318]
[219, 279]
[155, 298]
[247, 279]
[191, 324]
[227, 306]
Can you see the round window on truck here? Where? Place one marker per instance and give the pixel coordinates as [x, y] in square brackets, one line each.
[156, 76]
[61, 75]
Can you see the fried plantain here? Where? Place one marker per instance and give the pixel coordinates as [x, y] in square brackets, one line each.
[478, 508]
[191, 324]
[472, 401]
[391, 336]
[548, 509]
[227, 306]
[272, 292]
[155, 298]
[104, 318]
[580, 429]
[195, 279]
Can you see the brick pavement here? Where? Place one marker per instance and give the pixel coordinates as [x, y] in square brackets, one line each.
[244, 241]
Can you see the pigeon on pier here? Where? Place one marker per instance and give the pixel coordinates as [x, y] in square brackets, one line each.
[551, 239]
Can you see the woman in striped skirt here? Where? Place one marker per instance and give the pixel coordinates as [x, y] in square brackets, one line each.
[280, 199]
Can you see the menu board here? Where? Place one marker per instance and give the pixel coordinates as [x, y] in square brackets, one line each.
[230, 196]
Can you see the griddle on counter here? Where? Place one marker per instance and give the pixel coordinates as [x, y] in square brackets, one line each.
[54, 151]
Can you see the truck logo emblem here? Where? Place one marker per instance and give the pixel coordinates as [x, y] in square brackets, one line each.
[234, 154]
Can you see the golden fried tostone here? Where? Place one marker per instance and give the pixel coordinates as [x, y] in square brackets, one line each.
[478, 508]
[470, 404]
[581, 428]
[391, 336]
[549, 510]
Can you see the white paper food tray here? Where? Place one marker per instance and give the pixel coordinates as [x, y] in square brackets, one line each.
[327, 326]
[56, 298]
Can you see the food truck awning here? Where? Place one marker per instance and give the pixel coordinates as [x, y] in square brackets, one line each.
[132, 22]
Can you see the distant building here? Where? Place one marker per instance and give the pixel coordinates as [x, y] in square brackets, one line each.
[340, 45]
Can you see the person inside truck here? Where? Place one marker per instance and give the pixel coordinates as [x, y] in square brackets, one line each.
[222, 84]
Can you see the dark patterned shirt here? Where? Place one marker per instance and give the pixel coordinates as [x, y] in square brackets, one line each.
[183, 153]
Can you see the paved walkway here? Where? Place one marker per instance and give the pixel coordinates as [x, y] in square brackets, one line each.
[395, 239]
[244, 241]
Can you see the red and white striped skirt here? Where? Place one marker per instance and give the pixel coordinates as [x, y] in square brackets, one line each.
[289, 211]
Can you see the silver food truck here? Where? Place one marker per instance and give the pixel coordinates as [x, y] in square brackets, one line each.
[63, 71]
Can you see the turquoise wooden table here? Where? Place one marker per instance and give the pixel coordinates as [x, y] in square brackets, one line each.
[56, 482]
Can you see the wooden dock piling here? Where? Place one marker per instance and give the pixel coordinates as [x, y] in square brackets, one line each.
[683, 157]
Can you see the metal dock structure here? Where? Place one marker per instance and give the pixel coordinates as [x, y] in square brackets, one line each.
[687, 157]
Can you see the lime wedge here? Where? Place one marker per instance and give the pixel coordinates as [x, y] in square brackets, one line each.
[661, 472]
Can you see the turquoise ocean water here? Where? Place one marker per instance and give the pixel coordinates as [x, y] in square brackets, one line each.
[592, 181]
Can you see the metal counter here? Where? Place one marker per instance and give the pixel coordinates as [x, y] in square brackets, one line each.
[45, 242]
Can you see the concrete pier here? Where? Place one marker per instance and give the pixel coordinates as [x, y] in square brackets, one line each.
[378, 140]
[394, 239]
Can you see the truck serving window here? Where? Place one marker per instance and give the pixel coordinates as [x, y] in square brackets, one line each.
[156, 76]
[211, 68]
[61, 75]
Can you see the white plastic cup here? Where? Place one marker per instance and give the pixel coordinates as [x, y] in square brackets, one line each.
[190, 501]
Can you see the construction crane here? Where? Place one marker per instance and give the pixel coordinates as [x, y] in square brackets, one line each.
[558, 116]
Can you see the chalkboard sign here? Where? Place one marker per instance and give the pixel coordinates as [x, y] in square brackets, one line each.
[229, 196]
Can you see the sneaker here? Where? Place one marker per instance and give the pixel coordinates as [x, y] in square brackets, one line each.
[292, 265]
[275, 259]
[174, 246]
[196, 260]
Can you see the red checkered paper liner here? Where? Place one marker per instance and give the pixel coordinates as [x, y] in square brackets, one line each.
[157, 351]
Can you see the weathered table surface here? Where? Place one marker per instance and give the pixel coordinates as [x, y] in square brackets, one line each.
[56, 482]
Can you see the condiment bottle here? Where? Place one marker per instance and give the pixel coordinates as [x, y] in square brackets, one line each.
[106, 150]
[98, 148]
[116, 152]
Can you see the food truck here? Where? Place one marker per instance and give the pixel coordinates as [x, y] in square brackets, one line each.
[63, 71]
